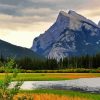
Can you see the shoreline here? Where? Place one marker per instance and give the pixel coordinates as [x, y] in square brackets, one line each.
[91, 85]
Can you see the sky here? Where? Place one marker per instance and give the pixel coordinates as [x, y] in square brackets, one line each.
[23, 20]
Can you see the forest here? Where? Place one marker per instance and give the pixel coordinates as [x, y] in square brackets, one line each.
[87, 62]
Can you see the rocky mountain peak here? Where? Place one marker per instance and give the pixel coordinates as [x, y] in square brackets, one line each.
[63, 13]
[72, 34]
[76, 15]
[62, 17]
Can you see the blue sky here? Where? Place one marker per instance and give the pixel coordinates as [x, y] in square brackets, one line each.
[22, 20]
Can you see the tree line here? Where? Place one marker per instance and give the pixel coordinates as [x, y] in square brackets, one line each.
[88, 62]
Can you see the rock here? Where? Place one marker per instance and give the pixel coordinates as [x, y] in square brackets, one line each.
[71, 35]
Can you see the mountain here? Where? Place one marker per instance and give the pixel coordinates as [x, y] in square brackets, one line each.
[9, 50]
[71, 35]
[99, 24]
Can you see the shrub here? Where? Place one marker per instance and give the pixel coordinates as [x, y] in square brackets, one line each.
[5, 92]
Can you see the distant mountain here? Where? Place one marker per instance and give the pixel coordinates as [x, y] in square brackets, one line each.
[71, 34]
[9, 50]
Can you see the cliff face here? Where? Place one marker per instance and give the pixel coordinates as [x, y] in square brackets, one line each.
[71, 34]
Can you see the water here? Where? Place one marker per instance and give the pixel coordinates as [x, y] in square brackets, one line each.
[82, 84]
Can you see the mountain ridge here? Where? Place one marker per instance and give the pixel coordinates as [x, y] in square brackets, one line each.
[71, 34]
[9, 50]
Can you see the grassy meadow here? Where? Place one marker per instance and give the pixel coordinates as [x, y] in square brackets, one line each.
[52, 94]
[50, 76]
[47, 97]
[57, 95]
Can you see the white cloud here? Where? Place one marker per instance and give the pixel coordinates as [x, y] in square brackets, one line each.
[24, 37]
[23, 20]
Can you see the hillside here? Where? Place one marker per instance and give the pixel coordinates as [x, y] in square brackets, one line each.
[9, 50]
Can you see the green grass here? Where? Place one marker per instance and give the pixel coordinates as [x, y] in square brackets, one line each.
[72, 70]
[68, 70]
[90, 96]
[50, 76]
[55, 76]
[35, 77]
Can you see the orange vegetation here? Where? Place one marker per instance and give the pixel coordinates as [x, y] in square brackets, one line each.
[45, 97]
[72, 75]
